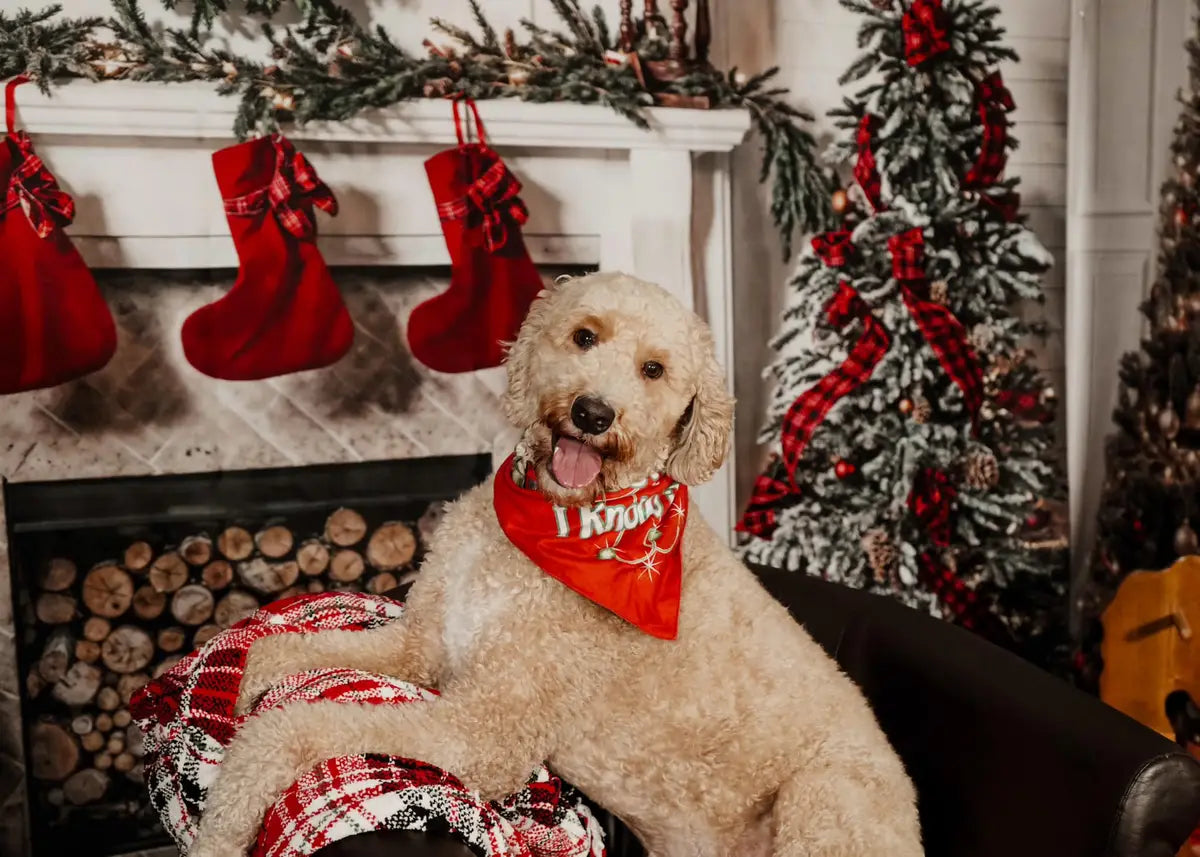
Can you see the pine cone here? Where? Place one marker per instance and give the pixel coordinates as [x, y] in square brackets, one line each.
[881, 553]
[982, 469]
[939, 291]
[922, 410]
[982, 337]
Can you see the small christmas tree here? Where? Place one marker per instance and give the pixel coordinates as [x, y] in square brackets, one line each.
[1150, 509]
[914, 451]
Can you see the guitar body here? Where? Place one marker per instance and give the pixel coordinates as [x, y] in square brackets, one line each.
[1150, 646]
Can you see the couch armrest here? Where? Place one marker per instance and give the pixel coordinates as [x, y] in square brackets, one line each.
[1007, 759]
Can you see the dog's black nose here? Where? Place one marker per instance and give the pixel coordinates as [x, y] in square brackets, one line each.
[591, 415]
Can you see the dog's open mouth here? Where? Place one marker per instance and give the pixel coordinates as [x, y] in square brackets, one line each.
[574, 463]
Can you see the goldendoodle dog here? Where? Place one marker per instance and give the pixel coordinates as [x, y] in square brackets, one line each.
[679, 694]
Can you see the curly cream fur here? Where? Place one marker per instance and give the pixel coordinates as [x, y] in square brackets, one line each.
[741, 738]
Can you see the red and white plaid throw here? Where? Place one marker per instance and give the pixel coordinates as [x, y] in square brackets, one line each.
[187, 718]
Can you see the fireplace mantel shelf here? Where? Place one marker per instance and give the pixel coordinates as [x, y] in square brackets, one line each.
[656, 202]
[197, 111]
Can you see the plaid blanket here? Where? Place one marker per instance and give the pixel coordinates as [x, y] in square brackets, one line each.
[186, 716]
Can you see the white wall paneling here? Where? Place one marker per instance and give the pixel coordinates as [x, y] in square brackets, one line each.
[1127, 62]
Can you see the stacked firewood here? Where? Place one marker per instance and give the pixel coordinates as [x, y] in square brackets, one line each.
[106, 632]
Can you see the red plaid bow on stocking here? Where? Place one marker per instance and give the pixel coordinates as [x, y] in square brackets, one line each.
[291, 193]
[491, 201]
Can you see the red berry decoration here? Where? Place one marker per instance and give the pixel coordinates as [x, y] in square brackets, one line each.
[843, 468]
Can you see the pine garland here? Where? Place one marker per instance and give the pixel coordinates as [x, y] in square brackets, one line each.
[332, 68]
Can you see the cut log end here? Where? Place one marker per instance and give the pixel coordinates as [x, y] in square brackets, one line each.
[107, 591]
[274, 542]
[96, 629]
[92, 741]
[266, 577]
[192, 605]
[54, 608]
[86, 786]
[54, 753]
[171, 639]
[196, 550]
[128, 649]
[79, 686]
[383, 582]
[205, 633]
[108, 699]
[217, 574]
[168, 573]
[346, 566]
[149, 602]
[58, 574]
[235, 543]
[313, 558]
[392, 546]
[234, 607]
[138, 557]
[345, 527]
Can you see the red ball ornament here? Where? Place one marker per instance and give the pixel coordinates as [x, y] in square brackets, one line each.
[843, 468]
[1027, 402]
[1181, 217]
[1035, 519]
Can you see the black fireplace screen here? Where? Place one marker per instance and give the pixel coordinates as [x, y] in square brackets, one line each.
[114, 580]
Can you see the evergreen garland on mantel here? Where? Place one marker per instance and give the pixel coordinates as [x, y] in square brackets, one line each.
[331, 68]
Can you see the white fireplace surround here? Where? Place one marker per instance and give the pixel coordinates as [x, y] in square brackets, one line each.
[601, 191]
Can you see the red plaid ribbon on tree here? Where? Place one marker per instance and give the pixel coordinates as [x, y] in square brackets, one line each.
[1007, 205]
[493, 197]
[292, 193]
[931, 501]
[771, 490]
[943, 332]
[866, 170]
[812, 406]
[35, 190]
[925, 34]
[833, 248]
[993, 102]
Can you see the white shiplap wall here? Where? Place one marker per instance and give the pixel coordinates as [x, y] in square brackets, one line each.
[813, 41]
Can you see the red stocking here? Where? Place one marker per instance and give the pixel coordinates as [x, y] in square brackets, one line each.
[492, 279]
[284, 313]
[54, 324]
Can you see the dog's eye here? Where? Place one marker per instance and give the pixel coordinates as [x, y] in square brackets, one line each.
[652, 369]
[584, 338]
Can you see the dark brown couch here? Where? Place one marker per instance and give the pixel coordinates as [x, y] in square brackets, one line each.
[1008, 761]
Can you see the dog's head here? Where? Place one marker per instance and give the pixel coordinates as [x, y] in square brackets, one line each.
[611, 379]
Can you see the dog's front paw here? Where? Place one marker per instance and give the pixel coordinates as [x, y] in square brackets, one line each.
[269, 661]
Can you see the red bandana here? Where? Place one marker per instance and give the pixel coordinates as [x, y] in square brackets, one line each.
[623, 552]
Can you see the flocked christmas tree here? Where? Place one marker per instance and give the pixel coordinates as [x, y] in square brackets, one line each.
[1150, 509]
[911, 426]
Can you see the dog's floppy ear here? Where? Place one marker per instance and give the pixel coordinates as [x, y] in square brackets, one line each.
[518, 406]
[706, 426]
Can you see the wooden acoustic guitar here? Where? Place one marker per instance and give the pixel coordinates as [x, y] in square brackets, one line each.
[1151, 651]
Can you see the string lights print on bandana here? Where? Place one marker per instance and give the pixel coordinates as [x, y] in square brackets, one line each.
[623, 552]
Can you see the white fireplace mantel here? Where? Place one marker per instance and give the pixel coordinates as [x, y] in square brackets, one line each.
[653, 202]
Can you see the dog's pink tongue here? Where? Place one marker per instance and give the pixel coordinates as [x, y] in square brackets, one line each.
[574, 464]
